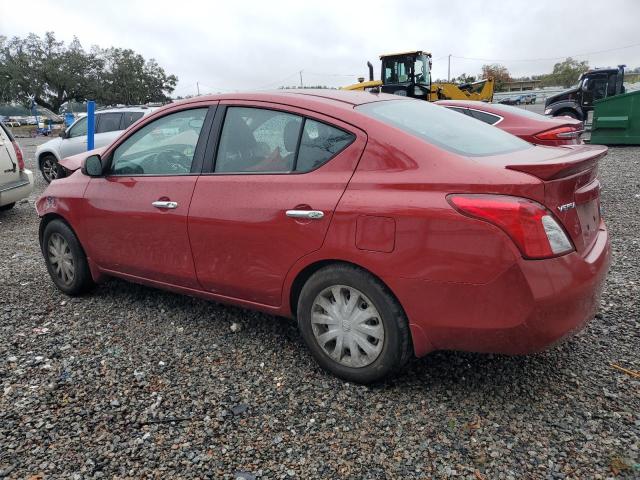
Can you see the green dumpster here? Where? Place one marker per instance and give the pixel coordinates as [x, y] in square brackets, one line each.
[616, 120]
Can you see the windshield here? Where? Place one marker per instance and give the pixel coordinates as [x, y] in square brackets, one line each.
[444, 128]
[401, 69]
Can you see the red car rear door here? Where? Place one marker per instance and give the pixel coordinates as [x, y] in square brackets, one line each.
[274, 180]
[135, 217]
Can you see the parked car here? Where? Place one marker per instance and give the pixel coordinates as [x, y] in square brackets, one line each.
[512, 100]
[530, 98]
[529, 126]
[368, 218]
[16, 182]
[109, 124]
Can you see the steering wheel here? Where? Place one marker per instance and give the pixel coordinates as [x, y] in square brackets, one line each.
[173, 161]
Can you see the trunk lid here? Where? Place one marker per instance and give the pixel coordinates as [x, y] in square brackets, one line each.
[571, 187]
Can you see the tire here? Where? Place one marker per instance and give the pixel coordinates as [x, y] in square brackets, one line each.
[8, 206]
[567, 113]
[65, 259]
[50, 168]
[385, 352]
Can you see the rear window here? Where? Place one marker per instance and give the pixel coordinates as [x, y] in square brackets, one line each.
[485, 117]
[443, 128]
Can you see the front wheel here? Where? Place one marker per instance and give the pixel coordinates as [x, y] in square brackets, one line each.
[352, 324]
[50, 168]
[65, 259]
[567, 113]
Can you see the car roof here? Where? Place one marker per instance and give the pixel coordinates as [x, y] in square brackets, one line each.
[346, 99]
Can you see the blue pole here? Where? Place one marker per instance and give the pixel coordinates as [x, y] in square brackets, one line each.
[91, 124]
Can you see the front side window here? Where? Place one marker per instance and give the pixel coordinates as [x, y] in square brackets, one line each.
[108, 122]
[443, 128]
[165, 146]
[79, 129]
[599, 87]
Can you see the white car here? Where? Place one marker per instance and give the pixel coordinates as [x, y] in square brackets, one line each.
[109, 125]
[16, 182]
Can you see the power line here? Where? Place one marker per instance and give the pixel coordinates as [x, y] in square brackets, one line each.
[547, 58]
[266, 85]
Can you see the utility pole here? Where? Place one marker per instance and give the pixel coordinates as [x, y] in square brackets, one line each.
[449, 70]
[300, 78]
[198, 88]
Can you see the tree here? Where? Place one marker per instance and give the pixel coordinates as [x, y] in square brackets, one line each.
[464, 78]
[498, 72]
[55, 73]
[566, 73]
[129, 79]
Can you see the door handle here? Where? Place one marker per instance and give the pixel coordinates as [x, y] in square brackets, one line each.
[163, 204]
[311, 214]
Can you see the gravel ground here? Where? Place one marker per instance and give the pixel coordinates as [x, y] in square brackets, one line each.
[134, 382]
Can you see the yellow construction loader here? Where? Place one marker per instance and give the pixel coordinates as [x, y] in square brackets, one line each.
[409, 74]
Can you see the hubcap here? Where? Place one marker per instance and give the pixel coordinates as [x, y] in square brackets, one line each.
[61, 259]
[347, 326]
[50, 168]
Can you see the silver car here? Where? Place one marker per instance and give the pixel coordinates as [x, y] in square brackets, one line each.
[109, 125]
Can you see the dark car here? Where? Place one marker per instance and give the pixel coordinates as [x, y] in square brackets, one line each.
[593, 85]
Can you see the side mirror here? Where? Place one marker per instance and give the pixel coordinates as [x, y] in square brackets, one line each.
[92, 166]
[63, 134]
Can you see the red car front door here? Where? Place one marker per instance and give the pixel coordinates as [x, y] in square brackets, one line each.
[135, 217]
[252, 218]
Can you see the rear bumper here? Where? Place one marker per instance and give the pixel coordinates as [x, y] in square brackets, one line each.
[527, 308]
[17, 190]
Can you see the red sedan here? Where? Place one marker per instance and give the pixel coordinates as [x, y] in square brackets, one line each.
[386, 226]
[530, 126]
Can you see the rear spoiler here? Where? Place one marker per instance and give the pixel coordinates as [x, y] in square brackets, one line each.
[581, 159]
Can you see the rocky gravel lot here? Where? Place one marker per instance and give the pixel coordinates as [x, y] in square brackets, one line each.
[130, 382]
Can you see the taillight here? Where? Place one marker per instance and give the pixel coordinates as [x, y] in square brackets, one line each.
[560, 133]
[19, 155]
[530, 225]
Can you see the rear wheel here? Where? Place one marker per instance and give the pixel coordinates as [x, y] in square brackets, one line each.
[352, 324]
[50, 168]
[8, 206]
[65, 259]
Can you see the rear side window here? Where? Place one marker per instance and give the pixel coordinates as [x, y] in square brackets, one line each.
[108, 122]
[319, 143]
[257, 140]
[485, 117]
[130, 118]
[443, 128]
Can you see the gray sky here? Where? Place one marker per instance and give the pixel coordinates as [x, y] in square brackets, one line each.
[239, 45]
